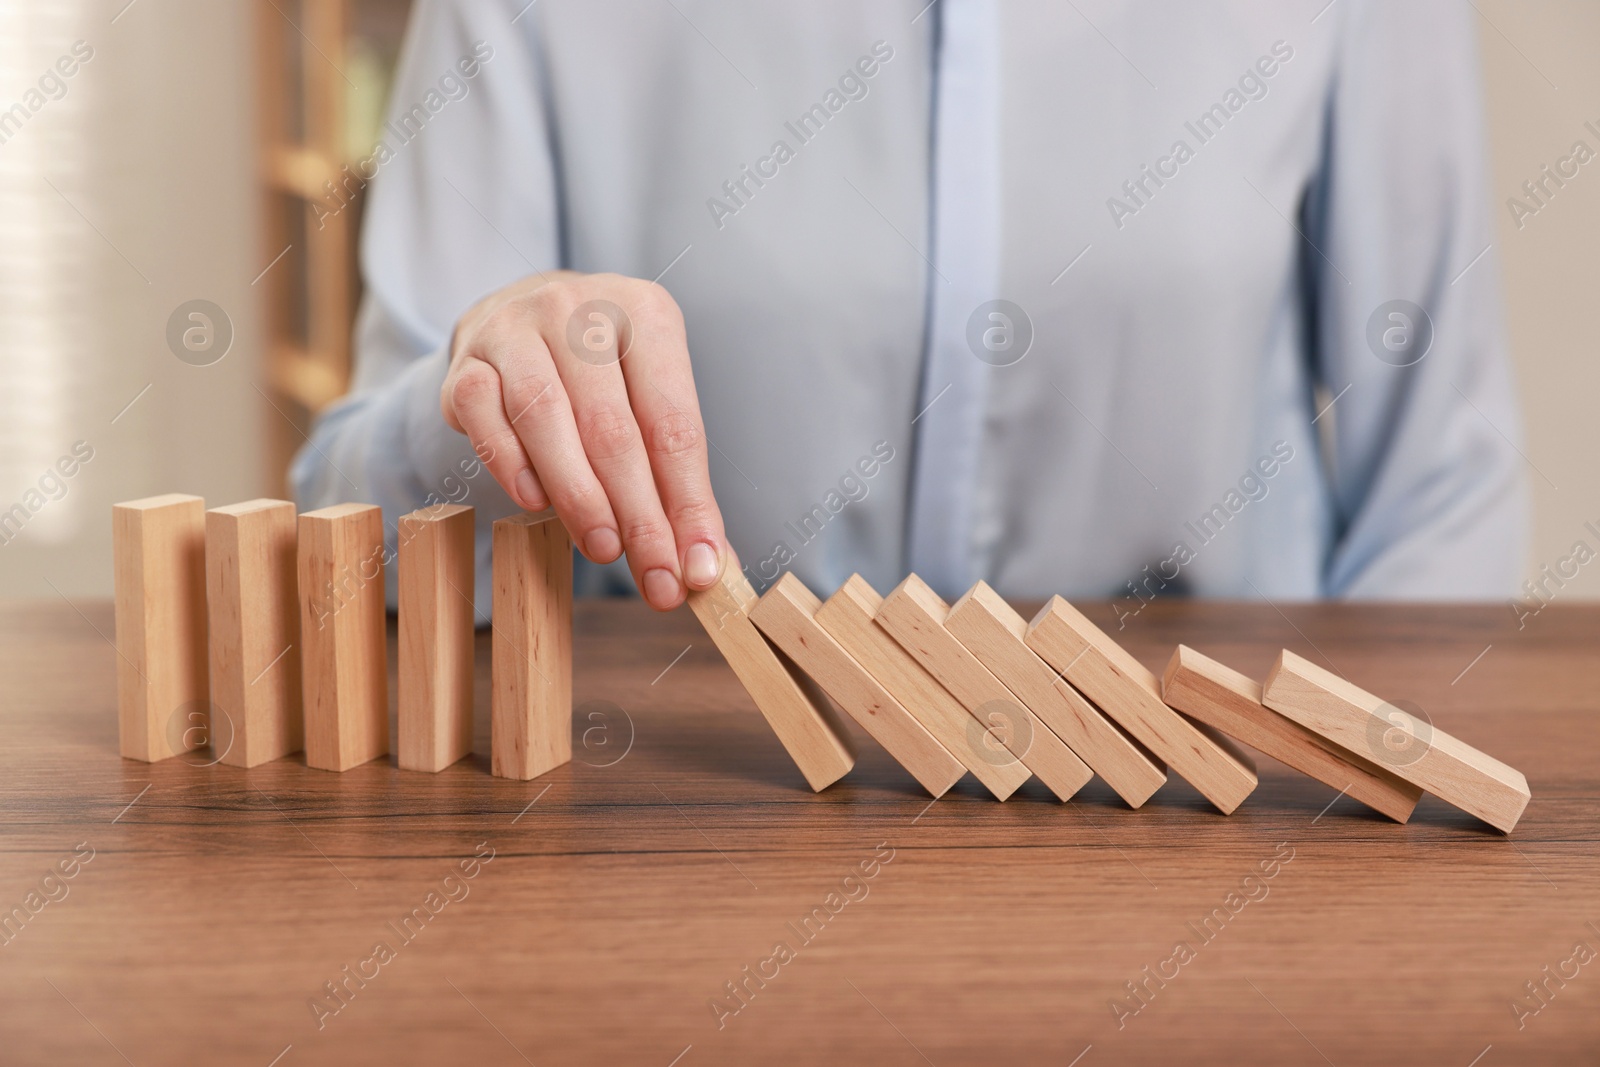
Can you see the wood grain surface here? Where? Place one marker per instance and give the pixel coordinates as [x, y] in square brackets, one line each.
[627, 887]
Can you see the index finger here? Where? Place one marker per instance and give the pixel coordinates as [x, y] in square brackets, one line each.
[660, 381]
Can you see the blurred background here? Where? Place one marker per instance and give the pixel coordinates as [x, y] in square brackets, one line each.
[178, 239]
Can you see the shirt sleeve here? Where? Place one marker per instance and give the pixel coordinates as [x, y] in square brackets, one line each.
[462, 200]
[1406, 325]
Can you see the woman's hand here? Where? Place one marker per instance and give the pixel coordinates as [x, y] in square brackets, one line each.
[578, 386]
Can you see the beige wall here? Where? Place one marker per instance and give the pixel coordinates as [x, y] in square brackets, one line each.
[151, 149]
[1543, 85]
[166, 174]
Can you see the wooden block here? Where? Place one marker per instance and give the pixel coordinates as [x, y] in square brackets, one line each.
[786, 613]
[1426, 756]
[255, 632]
[914, 615]
[848, 617]
[992, 631]
[435, 608]
[1230, 702]
[807, 728]
[343, 642]
[159, 560]
[1124, 689]
[531, 709]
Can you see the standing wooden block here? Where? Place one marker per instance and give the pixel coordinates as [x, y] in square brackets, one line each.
[848, 618]
[1124, 689]
[159, 559]
[915, 616]
[531, 708]
[786, 613]
[1422, 754]
[807, 728]
[343, 641]
[993, 631]
[1226, 700]
[435, 607]
[255, 632]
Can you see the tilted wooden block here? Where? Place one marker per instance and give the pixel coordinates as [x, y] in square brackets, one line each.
[1422, 754]
[1230, 702]
[254, 610]
[993, 632]
[531, 710]
[786, 613]
[807, 728]
[915, 616]
[848, 618]
[159, 560]
[343, 640]
[435, 608]
[1125, 690]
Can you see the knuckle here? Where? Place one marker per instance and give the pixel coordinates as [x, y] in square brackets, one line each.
[609, 432]
[527, 392]
[473, 387]
[694, 515]
[675, 434]
[646, 533]
[580, 499]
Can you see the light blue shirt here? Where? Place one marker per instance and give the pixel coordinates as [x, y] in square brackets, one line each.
[1137, 300]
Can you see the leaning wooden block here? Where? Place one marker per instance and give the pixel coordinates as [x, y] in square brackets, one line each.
[786, 613]
[1226, 700]
[848, 617]
[159, 560]
[992, 631]
[255, 632]
[531, 710]
[435, 608]
[915, 616]
[344, 645]
[1125, 690]
[1422, 754]
[807, 728]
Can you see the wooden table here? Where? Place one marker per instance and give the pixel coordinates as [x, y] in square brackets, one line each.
[626, 889]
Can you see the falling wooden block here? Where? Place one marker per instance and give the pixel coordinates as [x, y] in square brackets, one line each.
[807, 728]
[436, 659]
[343, 641]
[159, 560]
[1422, 754]
[993, 632]
[531, 708]
[848, 617]
[1124, 689]
[255, 632]
[786, 613]
[914, 615]
[1230, 702]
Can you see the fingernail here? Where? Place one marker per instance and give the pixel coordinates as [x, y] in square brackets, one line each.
[603, 544]
[660, 587]
[700, 565]
[528, 492]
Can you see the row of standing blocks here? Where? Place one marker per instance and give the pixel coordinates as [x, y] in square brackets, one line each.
[977, 688]
[263, 632]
